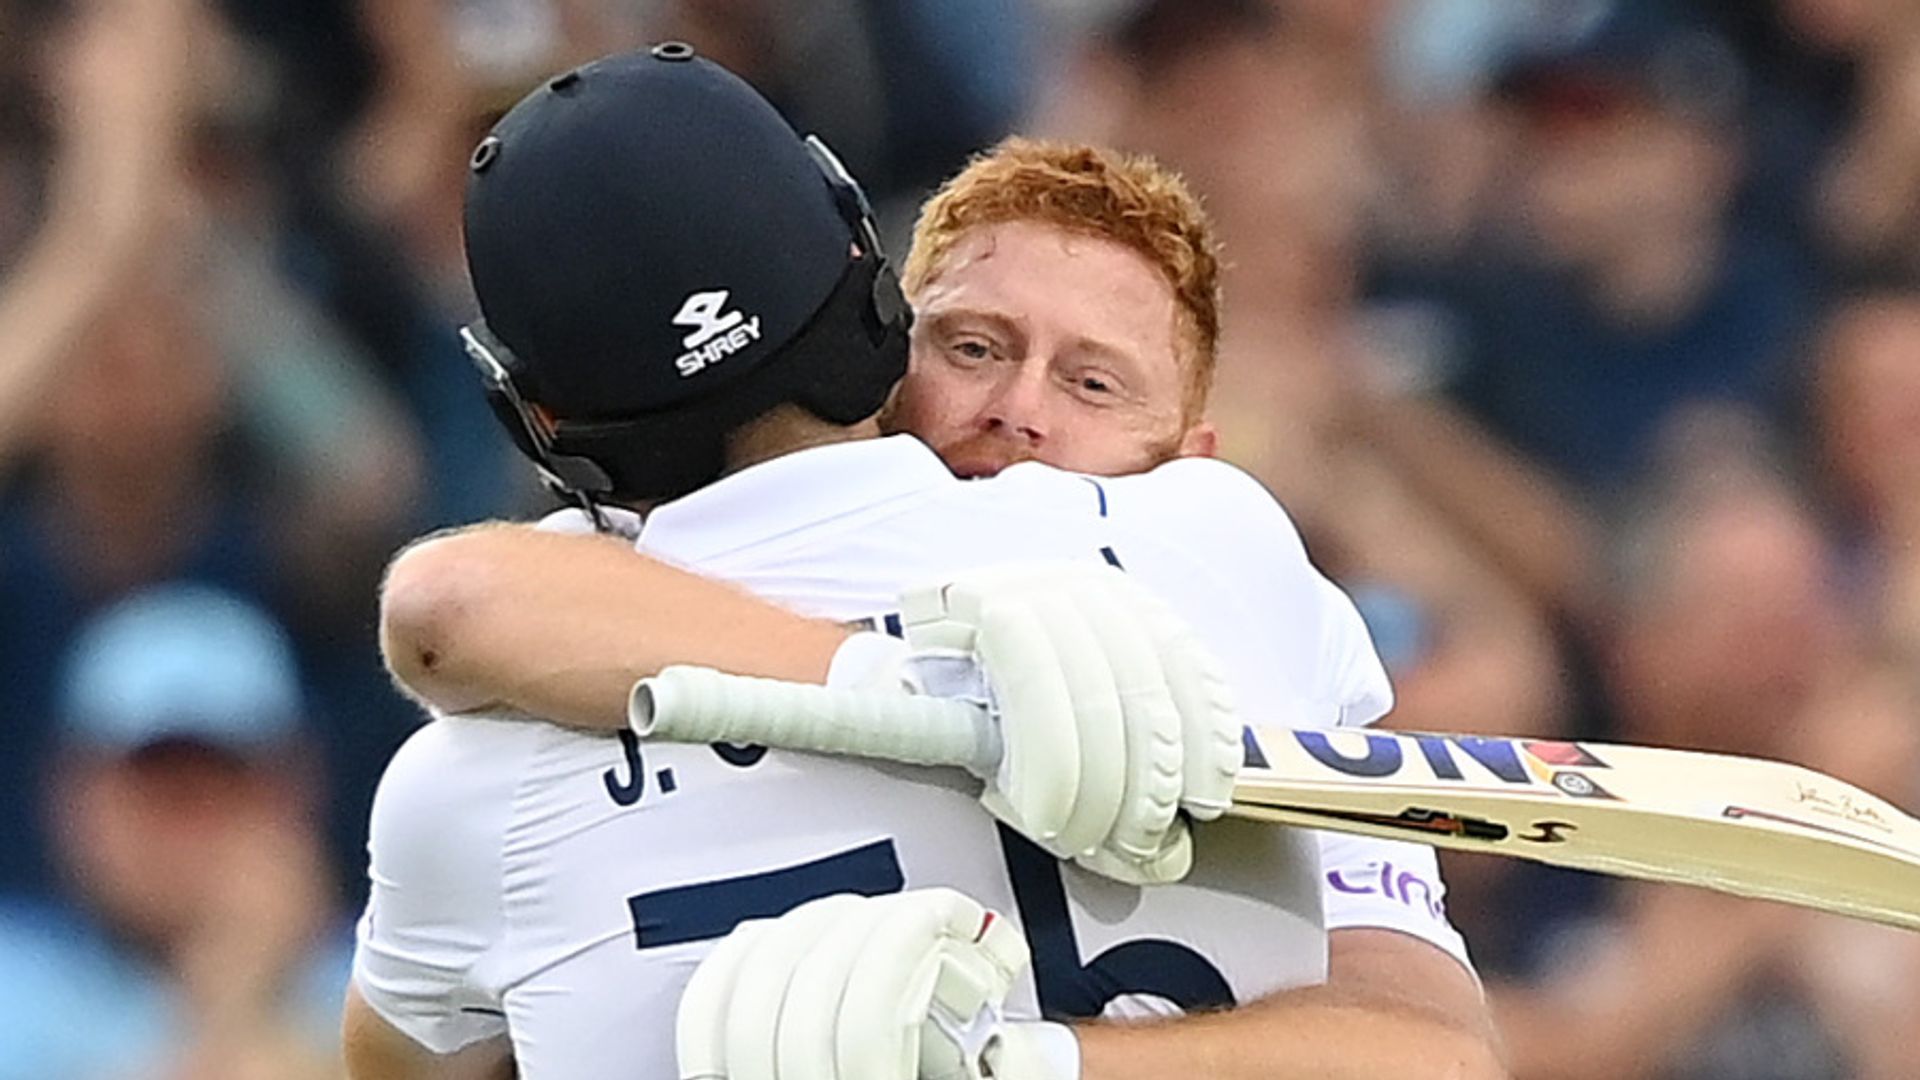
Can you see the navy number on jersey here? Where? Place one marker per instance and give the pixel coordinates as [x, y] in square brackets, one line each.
[711, 909]
[1073, 989]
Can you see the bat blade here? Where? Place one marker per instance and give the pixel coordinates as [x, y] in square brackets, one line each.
[1739, 825]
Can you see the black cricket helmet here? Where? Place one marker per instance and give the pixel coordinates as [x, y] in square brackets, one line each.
[659, 258]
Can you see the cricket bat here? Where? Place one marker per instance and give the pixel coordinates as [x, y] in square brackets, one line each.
[1739, 825]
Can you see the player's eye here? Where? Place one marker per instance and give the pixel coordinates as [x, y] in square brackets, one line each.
[1095, 387]
[972, 349]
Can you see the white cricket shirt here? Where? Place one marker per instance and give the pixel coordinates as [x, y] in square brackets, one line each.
[561, 887]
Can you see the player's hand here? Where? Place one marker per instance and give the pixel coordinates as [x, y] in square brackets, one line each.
[1113, 715]
[848, 987]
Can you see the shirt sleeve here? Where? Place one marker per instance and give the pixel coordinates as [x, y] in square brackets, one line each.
[434, 909]
[1373, 884]
[1228, 521]
[1362, 688]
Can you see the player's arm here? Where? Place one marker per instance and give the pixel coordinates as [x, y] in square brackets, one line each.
[376, 1050]
[508, 617]
[1387, 966]
[434, 911]
[1400, 998]
[1393, 1007]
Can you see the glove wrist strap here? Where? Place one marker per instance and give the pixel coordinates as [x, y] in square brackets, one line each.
[1033, 1050]
[868, 660]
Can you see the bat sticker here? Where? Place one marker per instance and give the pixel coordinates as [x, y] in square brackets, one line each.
[1414, 819]
[1548, 832]
[1579, 785]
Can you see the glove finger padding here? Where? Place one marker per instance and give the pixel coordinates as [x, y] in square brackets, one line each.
[1034, 650]
[809, 1018]
[761, 982]
[1151, 719]
[1039, 774]
[1214, 749]
[700, 1025]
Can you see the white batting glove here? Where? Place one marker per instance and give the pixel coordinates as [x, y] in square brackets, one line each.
[1114, 716]
[907, 986]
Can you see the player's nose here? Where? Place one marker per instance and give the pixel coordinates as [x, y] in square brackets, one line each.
[1019, 405]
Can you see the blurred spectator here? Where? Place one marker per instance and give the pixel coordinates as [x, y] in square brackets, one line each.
[347, 182]
[137, 474]
[1613, 288]
[1734, 637]
[1729, 600]
[903, 90]
[202, 941]
[110, 184]
[1866, 404]
[1624, 292]
[170, 406]
[1869, 199]
[1804, 92]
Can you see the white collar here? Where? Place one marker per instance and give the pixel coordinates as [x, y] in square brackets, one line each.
[796, 490]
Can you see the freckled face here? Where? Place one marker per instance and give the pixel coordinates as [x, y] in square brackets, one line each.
[1034, 343]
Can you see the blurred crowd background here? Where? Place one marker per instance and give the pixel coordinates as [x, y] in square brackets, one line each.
[1581, 338]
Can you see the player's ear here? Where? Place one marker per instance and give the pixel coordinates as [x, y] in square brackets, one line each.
[1201, 440]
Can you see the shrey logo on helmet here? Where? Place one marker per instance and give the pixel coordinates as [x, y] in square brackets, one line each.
[717, 334]
[636, 356]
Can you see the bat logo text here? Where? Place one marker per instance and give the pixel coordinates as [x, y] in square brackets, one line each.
[1450, 757]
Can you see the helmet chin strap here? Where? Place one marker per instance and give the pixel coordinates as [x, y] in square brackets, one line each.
[587, 503]
[571, 477]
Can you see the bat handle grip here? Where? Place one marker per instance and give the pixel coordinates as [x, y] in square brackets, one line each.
[701, 705]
